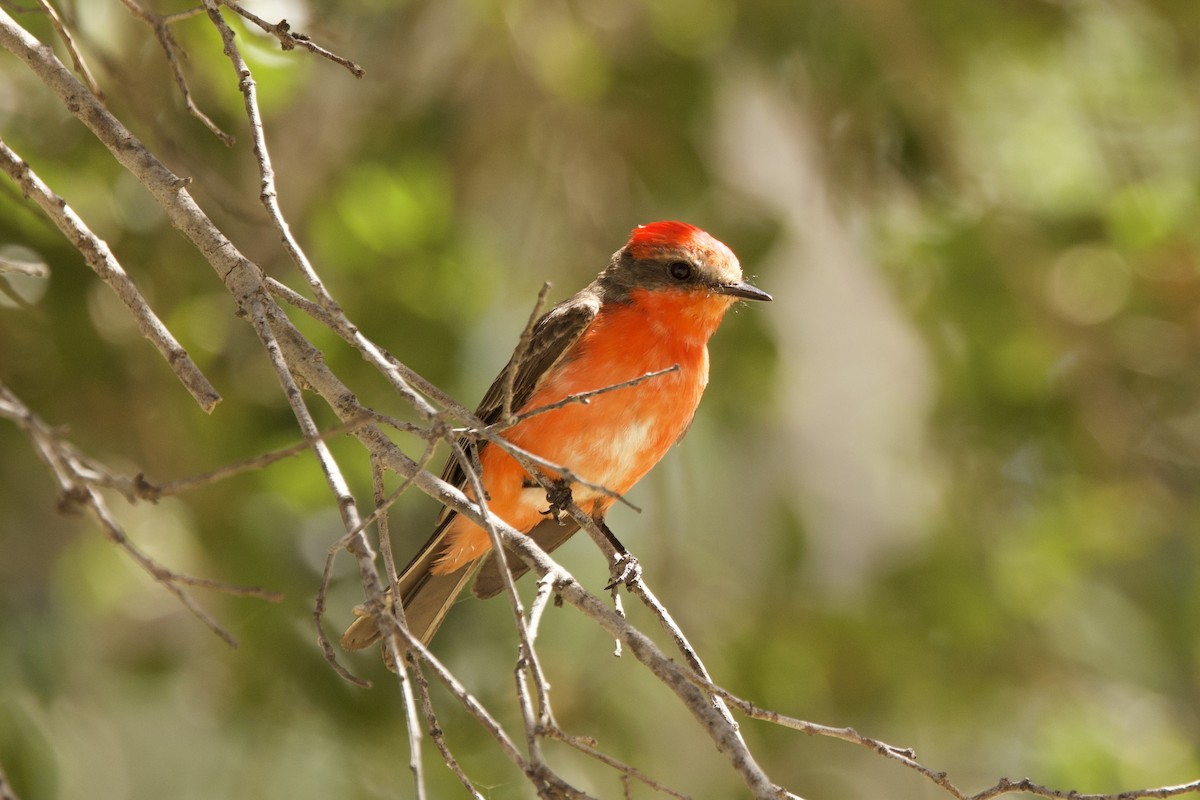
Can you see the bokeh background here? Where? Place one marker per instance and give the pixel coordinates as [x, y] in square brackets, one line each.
[946, 489]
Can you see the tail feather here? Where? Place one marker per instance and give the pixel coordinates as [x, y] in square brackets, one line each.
[426, 597]
[548, 535]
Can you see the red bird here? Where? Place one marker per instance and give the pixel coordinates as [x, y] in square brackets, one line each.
[656, 305]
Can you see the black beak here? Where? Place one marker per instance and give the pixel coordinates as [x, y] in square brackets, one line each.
[743, 290]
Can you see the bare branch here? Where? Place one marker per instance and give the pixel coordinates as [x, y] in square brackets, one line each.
[1027, 786]
[288, 40]
[32, 270]
[319, 614]
[78, 491]
[6, 790]
[80, 65]
[141, 488]
[439, 737]
[102, 261]
[588, 748]
[378, 515]
[166, 39]
[581, 397]
[382, 501]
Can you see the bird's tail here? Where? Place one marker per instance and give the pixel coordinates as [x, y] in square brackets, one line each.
[426, 597]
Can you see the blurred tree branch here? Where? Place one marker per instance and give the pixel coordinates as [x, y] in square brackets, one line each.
[6, 790]
[300, 366]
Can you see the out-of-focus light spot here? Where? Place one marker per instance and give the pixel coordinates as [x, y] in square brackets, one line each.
[112, 319]
[1022, 366]
[1144, 214]
[132, 205]
[414, 198]
[203, 321]
[1088, 284]
[1151, 346]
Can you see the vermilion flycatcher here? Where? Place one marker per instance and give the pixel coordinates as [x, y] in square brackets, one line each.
[656, 304]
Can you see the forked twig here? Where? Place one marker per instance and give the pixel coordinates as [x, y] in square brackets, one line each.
[588, 747]
[438, 736]
[142, 488]
[908, 757]
[81, 66]
[171, 48]
[290, 40]
[77, 491]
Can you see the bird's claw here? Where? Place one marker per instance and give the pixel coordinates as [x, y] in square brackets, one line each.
[625, 570]
[559, 497]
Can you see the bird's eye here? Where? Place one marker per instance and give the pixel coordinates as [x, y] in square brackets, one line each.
[680, 270]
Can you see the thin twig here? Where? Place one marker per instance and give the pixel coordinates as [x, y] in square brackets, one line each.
[151, 491]
[380, 512]
[308, 427]
[170, 46]
[640, 590]
[76, 492]
[438, 736]
[546, 721]
[394, 632]
[637, 585]
[580, 397]
[289, 40]
[268, 193]
[541, 599]
[319, 615]
[80, 65]
[588, 748]
[345, 543]
[908, 757]
[1005, 786]
[29, 269]
[402, 666]
[518, 359]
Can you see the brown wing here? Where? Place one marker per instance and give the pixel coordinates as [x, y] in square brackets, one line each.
[552, 338]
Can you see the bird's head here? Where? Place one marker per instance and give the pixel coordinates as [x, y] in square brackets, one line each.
[679, 258]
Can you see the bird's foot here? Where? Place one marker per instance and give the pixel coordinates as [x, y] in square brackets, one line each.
[625, 569]
[559, 497]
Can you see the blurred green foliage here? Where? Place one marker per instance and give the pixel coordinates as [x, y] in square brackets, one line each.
[1013, 187]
